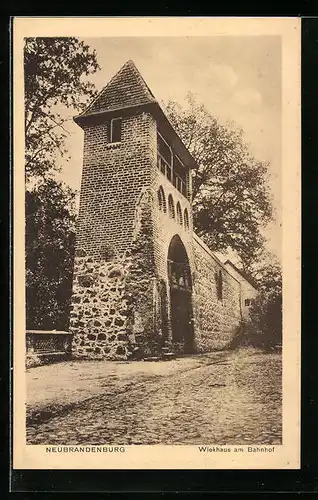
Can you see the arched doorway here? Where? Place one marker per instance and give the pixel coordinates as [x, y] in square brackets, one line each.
[180, 284]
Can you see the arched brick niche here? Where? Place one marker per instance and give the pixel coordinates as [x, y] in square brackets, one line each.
[171, 209]
[179, 214]
[186, 220]
[162, 200]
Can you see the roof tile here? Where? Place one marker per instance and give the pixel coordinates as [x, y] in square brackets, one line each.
[126, 88]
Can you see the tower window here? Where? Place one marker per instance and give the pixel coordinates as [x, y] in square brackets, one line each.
[179, 175]
[171, 166]
[164, 158]
[115, 130]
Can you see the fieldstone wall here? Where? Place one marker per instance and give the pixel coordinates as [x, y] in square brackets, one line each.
[216, 320]
[99, 308]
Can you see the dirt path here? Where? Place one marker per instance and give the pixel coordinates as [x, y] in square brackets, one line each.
[223, 398]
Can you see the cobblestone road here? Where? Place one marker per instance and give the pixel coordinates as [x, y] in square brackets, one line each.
[225, 398]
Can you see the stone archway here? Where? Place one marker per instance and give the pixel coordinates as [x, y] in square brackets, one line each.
[180, 285]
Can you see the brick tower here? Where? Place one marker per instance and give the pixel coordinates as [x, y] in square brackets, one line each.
[133, 271]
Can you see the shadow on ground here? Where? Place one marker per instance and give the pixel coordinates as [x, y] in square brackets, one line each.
[228, 397]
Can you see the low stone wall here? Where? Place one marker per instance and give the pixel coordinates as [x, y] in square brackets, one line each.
[48, 341]
[47, 346]
[216, 320]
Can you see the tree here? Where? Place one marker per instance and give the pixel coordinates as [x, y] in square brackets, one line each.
[264, 327]
[50, 236]
[56, 77]
[266, 271]
[231, 198]
[56, 72]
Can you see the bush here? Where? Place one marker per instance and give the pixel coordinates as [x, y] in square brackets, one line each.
[264, 327]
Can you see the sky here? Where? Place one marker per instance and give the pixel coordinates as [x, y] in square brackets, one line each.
[236, 78]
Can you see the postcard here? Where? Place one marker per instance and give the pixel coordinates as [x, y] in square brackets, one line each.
[156, 177]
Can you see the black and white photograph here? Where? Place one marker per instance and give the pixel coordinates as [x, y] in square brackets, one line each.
[153, 217]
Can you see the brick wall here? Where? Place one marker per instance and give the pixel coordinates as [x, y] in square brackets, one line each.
[165, 228]
[112, 179]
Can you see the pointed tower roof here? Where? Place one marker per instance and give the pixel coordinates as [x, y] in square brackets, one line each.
[127, 93]
[126, 89]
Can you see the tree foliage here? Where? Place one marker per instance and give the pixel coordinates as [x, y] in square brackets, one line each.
[56, 80]
[50, 235]
[264, 327]
[266, 271]
[231, 197]
[56, 77]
